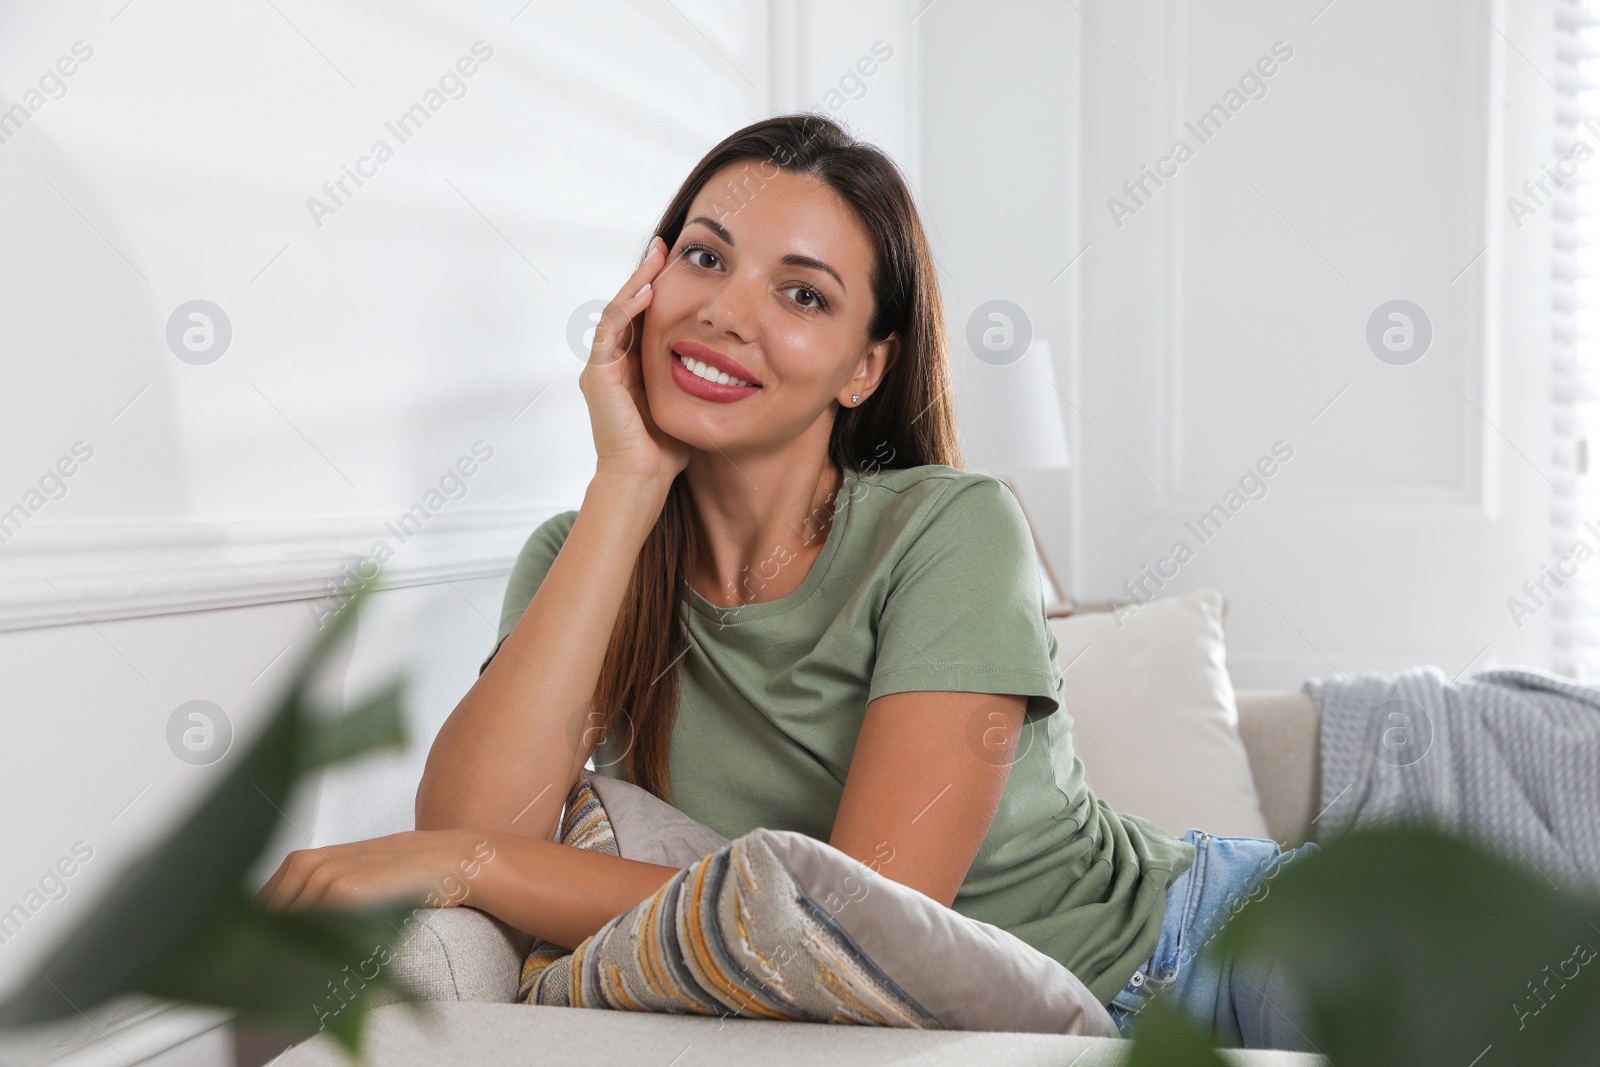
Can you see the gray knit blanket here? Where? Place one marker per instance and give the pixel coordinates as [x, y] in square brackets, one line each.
[1508, 757]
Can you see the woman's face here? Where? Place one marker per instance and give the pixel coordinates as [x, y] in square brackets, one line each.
[771, 278]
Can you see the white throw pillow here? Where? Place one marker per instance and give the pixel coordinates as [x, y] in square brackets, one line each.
[1154, 718]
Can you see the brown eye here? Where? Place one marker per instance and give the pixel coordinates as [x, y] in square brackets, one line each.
[810, 299]
[693, 250]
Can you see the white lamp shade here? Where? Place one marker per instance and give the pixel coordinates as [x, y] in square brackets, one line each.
[1011, 415]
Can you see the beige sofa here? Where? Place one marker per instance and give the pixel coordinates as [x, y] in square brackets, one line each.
[468, 962]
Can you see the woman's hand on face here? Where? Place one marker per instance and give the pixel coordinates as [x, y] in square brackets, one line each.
[626, 439]
[435, 866]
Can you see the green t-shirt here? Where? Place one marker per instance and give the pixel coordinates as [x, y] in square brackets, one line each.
[928, 580]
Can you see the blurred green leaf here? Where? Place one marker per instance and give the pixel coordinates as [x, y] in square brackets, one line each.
[168, 890]
[1412, 946]
[1164, 1038]
[377, 722]
[295, 971]
[180, 923]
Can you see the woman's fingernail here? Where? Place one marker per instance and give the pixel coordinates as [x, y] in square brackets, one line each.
[642, 291]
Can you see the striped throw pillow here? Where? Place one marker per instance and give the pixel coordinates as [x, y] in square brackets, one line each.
[777, 925]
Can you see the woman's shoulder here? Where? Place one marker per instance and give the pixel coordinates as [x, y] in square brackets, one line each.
[935, 478]
[936, 487]
[935, 504]
[552, 531]
[541, 546]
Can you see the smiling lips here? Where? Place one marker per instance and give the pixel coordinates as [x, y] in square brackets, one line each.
[708, 374]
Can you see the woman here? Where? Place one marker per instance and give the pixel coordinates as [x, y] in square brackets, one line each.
[783, 603]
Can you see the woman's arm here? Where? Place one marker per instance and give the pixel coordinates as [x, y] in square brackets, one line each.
[508, 754]
[557, 892]
[553, 891]
[925, 781]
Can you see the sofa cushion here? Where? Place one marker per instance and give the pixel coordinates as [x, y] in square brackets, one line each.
[1281, 734]
[514, 1035]
[456, 954]
[1153, 713]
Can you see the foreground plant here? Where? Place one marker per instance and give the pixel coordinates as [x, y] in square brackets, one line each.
[1412, 945]
[181, 924]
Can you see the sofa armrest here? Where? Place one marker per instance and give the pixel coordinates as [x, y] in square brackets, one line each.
[459, 954]
[1281, 735]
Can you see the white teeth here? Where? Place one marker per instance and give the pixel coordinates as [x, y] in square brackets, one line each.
[709, 373]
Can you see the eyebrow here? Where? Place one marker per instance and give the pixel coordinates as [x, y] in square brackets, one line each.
[793, 259]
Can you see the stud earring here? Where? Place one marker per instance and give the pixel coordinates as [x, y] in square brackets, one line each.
[855, 398]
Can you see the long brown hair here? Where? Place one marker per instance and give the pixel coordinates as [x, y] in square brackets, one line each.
[911, 414]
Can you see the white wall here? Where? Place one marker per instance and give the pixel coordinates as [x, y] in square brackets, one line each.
[382, 345]
[1229, 309]
[1001, 118]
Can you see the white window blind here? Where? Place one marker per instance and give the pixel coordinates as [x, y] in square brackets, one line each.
[1576, 333]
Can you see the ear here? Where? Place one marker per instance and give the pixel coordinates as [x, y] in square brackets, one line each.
[870, 372]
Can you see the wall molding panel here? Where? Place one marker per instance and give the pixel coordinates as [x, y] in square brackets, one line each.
[1471, 497]
[95, 573]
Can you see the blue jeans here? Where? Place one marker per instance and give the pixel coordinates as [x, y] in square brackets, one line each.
[1242, 1006]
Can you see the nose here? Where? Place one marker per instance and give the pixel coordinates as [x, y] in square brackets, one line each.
[731, 307]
